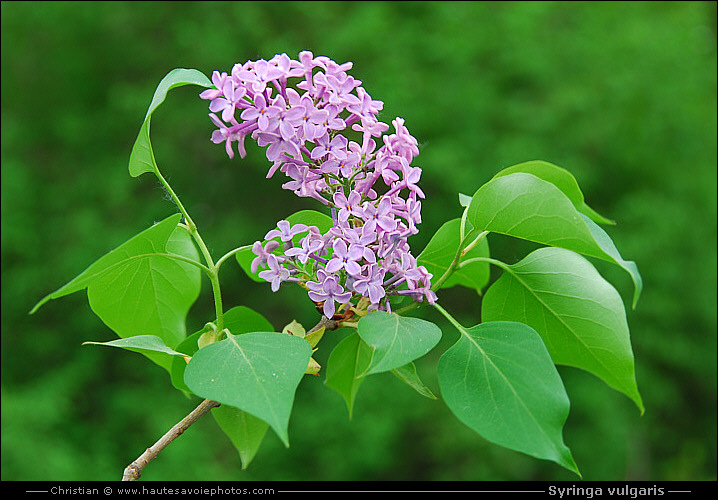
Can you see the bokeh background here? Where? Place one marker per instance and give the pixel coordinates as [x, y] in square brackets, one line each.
[623, 94]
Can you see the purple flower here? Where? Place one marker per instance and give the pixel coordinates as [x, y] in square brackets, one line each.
[371, 285]
[340, 89]
[345, 258]
[343, 166]
[402, 142]
[310, 246]
[386, 164]
[282, 118]
[337, 148]
[302, 125]
[370, 127]
[287, 66]
[262, 253]
[304, 181]
[275, 274]
[223, 134]
[279, 146]
[367, 106]
[331, 121]
[411, 274]
[229, 102]
[285, 232]
[360, 238]
[379, 215]
[307, 117]
[327, 289]
[261, 112]
[410, 180]
[347, 206]
[218, 80]
[413, 214]
[261, 73]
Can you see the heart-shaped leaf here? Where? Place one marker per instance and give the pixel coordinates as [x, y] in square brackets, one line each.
[238, 320]
[139, 288]
[499, 380]
[563, 180]
[151, 240]
[578, 314]
[524, 206]
[257, 372]
[396, 340]
[142, 158]
[151, 295]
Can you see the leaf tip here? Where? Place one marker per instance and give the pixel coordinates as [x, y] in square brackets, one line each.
[635, 299]
[38, 305]
[641, 408]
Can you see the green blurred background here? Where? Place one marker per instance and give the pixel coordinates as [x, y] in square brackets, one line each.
[621, 94]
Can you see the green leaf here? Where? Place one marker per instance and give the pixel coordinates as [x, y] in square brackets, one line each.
[524, 206]
[238, 320]
[242, 319]
[142, 158]
[150, 346]
[151, 240]
[139, 289]
[257, 372]
[396, 340]
[151, 295]
[308, 217]
[345, 366]
[579, 315]
[140, 343]
[440, 252]
[410, 377]
[499, 380]
[244, 430]
[563, 180]
[607, 245]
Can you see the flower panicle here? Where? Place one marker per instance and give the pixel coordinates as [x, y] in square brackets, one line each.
[370, 186]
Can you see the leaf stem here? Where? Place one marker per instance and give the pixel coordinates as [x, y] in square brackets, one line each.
[502, 265]
[454, 263]
[190, 223]
[229, 254]
[180, 258]
[451, 319]
[471, 245]
[211, 266]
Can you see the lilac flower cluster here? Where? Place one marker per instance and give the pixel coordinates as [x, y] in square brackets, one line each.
[307, 129]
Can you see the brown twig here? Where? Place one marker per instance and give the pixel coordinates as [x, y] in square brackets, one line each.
[325, 322]
[134, 470]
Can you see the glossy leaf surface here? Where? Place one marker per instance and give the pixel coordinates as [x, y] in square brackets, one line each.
[257, 372]
[579, 315]
[396, 340]
[499, 380]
